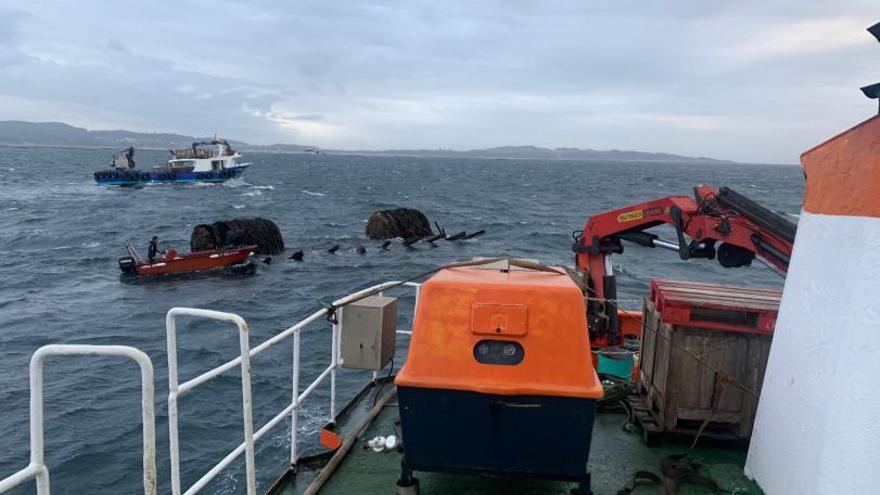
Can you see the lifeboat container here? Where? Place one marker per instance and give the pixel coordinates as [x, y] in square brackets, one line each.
[196, 261]
[499, 377]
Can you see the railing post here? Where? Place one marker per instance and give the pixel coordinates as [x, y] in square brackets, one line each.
[36, 379]
[294, 415]
[247, 407]
[334, 362]
[173, 382]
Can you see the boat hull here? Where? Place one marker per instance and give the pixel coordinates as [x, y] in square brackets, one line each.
[188, 263]
[463, 431]
[140, 177]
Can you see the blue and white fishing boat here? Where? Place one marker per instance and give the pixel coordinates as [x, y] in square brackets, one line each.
[206, 161]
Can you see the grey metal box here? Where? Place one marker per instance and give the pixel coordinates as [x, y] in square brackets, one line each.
[369, 329]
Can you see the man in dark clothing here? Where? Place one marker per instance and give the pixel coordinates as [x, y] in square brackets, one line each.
[154, 248]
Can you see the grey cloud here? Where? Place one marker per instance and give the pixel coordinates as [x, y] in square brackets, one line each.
[756, 81]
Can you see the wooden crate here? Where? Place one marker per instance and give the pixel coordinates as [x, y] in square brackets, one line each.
[686, 371]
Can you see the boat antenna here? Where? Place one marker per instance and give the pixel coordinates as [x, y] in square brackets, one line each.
[873, 90]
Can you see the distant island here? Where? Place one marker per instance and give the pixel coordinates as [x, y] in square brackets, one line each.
[59, 134]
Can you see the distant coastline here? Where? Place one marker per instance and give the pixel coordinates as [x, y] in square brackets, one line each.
[16, 133]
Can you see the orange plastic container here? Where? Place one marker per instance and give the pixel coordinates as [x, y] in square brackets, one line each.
[540, 314]
[500, 358]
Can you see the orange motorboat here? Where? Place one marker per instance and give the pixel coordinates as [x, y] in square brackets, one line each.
[196, 261]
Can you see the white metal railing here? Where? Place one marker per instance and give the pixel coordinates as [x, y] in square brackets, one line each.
[37, 468]
[38, 471]
[176, 389]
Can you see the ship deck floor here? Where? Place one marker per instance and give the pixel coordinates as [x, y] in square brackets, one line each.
[615, 455]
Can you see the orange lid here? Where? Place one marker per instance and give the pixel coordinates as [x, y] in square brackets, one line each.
[541, 313]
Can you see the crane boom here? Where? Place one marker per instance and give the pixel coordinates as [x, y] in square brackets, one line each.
[744, 229]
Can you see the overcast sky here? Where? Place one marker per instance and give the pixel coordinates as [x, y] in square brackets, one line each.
[746, 80]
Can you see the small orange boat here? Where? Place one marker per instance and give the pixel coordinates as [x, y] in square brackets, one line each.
[187, 263]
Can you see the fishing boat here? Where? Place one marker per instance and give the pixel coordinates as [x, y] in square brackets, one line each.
[173, 263]
[501, 386]
[205, 161]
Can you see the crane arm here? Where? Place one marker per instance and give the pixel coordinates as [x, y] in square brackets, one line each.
[744, 228]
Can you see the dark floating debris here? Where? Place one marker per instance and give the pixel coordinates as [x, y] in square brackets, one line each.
[409, 224]
[401, 222]
[238, 232]
[436, 237]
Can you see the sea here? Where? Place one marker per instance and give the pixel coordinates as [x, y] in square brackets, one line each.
[61, 236]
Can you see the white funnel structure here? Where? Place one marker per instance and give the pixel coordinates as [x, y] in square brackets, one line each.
[817, 429]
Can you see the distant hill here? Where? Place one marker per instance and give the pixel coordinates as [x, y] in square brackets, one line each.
[538, 153]
[21, 133]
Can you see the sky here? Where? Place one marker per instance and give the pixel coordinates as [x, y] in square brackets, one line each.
[756, 81]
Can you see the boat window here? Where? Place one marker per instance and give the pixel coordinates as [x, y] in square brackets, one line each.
[506, 352]
[215, 164]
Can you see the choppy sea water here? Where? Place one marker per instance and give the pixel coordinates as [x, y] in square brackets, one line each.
[60, 237]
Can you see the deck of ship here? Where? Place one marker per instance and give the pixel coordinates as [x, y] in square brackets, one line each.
[616, 454]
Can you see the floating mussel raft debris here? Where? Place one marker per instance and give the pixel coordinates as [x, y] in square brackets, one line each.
[405, 223]
[408, 224]
[260, 232]
[411, 225]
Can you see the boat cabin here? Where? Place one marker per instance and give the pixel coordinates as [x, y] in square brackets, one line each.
[206, 156]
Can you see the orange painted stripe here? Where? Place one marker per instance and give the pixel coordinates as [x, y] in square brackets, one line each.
[843, 173]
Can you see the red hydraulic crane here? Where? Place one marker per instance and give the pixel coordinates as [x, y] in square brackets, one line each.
[744, 229]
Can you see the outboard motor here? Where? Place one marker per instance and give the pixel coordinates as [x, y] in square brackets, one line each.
[128, 265]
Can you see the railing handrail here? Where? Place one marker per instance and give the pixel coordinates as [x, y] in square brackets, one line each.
[37, 468]
[176, 389]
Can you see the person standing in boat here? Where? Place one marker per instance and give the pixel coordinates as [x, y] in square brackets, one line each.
[154, 248]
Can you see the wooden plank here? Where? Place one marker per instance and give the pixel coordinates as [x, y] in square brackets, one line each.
[649, 326]
[721, 302]
[662, 284]
[700, 414]
[684, 375]
[667, 375]
[737, 360]
[686, 294]
[720, 293]
[708, 349]
[649, 349]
